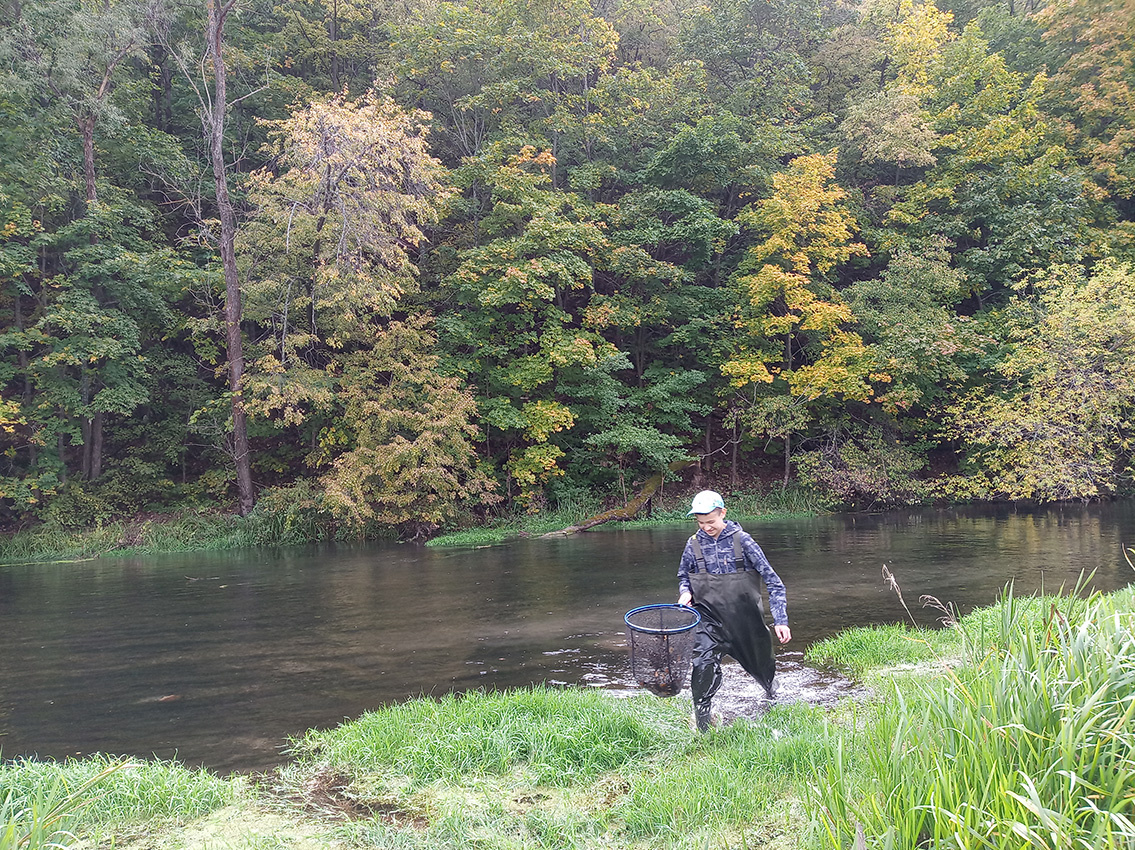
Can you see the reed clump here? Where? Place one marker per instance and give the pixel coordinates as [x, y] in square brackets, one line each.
[1026, 743]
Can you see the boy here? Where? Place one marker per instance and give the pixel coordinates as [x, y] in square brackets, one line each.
[720, 574]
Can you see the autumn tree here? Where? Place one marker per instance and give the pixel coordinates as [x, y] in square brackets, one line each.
[410, 459]
[329, 255]
[1094, 84]
[335, 226]
[796, 345]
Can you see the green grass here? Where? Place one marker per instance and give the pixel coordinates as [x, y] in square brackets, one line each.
[291, 517]
[859, 651]
[190, 531]
[1027, 743]
[195, 531]
[556, 736]
[733, 778]
[55, 543]
[49, 804]
[567, 768]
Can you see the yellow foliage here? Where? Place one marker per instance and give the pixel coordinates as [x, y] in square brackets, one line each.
[785, 301]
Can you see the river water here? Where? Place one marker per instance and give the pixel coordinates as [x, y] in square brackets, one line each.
[217, 658]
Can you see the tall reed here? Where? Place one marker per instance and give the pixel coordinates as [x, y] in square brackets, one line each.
[1028, 744]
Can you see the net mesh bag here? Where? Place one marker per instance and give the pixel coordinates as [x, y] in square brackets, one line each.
[661, 639]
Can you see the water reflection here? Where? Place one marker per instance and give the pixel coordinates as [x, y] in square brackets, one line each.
[217, 658]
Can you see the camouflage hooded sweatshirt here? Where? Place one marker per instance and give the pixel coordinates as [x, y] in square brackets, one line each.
[718, 554]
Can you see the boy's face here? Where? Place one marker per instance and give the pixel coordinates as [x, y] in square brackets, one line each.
[712, 523]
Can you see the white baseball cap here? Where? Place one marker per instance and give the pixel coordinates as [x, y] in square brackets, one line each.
[707, 501]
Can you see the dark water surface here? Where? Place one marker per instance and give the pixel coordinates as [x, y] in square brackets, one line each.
[217, 658]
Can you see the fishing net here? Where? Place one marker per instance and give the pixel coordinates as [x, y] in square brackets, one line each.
[661, 640]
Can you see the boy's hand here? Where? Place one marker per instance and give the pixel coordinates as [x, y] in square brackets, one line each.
[783, 633]
[686, 598]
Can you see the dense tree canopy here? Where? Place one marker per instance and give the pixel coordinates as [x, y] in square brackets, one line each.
[490, 254]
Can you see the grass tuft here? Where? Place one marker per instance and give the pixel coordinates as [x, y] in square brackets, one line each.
[558, 737]
[110, 793]
[871, 647]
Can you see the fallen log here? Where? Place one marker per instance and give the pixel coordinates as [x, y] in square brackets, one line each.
[630, 510]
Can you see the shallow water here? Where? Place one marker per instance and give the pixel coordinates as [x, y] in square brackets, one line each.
[218, 658]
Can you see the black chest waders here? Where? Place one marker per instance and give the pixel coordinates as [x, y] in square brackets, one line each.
[732, 623]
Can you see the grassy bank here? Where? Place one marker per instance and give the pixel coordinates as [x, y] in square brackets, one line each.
[183, 531]
[1012, 728]
[667, 509]
[282, 522]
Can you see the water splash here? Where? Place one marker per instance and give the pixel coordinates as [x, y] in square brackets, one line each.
[740, 695]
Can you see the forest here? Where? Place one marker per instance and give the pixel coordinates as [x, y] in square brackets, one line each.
[407, 264]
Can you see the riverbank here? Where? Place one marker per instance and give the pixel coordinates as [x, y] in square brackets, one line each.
[283, 524]
[665, 509]
[1008, 728]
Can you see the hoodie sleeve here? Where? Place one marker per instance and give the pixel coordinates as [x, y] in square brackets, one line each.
[777, 598]
[687, 564]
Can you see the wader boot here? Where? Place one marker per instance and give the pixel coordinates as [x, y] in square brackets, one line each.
[704, 682]
[733, 623]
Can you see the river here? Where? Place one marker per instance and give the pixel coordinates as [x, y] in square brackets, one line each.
[217, 658]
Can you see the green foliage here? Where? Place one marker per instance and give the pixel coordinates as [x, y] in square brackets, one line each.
[920, 342]
[42, 800]
[640, 231]
[291, 516]
[1057, 424]
[998, 172]
[753, 53]
[863, 469]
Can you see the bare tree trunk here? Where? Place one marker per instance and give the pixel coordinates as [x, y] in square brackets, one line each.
[708, 432]
[161, 90]
[86, 125]
[788, 436]
[632, 508]
[62, 459]
[214, 121]
[333, 32]
[85, 427]
[96, 445]
[733, 459]
[22, 360]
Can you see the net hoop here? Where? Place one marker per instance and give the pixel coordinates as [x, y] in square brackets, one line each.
[677, 630]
